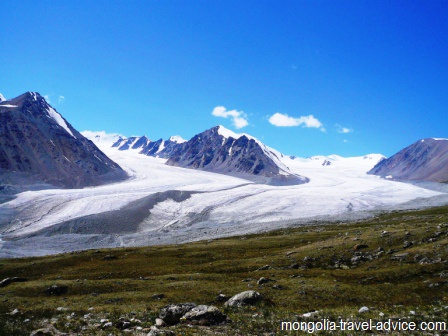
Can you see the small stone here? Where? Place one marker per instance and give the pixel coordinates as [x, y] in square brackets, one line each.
[407, 244]
[108, 325]
[363, 310]
[62, 309]
[160, 322]
[14, 312]
[222, 298]
[158, 296]
[56, 290]
[278, 287]
[264, 268]
[412, 312]
[264, 280]
[381, 314]
[360, 247]
[110, 257]
[310, 314]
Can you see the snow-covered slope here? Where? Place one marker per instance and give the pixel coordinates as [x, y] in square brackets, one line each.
[166, 204]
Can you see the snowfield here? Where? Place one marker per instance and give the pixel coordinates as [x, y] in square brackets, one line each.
[162, 204]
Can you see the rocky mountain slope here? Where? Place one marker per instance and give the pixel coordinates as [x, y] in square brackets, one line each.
[222, 151]
[38, 147]
[424, 160]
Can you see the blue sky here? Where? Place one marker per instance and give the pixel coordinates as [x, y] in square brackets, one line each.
[347, 77]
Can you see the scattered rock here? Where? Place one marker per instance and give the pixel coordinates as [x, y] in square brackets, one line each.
[264, 280]
[108, 325]
[363, 310]
[172, 313]
[407, 244]
[244, 298]
[264, 268]
[14, 312]
[400, 256]
[110, 257]
[47, 331]
[204, 315]
[8, 281]
[158, 296]
[310, 314]
[278, 287]
[160, 322]
[222, 298]
[360, 247]
[56, 290]
[157, 332]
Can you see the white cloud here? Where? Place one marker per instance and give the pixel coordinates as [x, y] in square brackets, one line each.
[239, 118]
[61, 99]
[47, 98]
[343, 130]
[284, 120]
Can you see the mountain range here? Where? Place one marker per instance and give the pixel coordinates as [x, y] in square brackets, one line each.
[216, 184]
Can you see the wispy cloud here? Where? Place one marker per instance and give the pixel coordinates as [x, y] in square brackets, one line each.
[343, 130]
[239, 118]
[61, 99]
[284, 120]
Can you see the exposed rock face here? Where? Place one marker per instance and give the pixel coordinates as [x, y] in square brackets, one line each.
[37, 145]
[132, 143]
[160, 148]
[221, 151]
[424, 160]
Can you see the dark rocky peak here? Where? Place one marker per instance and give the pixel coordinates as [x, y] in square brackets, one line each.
[223, 151]
[37, 145]
[425, 160]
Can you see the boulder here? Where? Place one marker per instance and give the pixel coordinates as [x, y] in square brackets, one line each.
[243, 299]
[172, 313]
[204, 315]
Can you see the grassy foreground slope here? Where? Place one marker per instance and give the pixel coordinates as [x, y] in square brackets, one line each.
[394, 263]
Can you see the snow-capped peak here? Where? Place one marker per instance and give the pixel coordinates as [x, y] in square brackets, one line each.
[226, 133]
[177, 139]
[440, 139]
[102, 137]
[2, 98]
